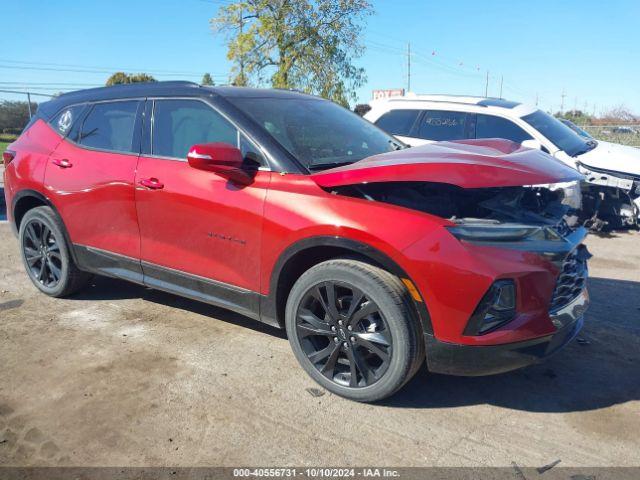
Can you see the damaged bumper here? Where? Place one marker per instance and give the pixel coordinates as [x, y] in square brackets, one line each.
[471, 360]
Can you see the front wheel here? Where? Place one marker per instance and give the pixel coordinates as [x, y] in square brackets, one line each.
[352, 329]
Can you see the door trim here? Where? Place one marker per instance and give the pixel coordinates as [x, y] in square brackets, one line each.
[220, 294]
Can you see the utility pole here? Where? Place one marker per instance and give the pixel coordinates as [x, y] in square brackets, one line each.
[241, 55]
[501, 82]
[562, 103]
[408, 67]
[537, 98]
[29, 104]
[486, 85]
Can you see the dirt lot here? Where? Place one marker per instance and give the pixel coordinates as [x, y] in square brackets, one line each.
[121, 375]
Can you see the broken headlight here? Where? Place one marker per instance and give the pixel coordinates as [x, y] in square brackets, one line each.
[497, 307]
[505, 232]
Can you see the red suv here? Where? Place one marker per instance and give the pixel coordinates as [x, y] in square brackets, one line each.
[298, 213]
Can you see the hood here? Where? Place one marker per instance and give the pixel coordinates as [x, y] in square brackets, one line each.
[467, 164]
[612, 157]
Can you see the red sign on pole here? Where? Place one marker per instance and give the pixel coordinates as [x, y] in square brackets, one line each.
[393, 92]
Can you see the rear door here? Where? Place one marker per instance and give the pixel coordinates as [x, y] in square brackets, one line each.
[400, 123]
[90, 177]
[200, 232]
[442, 125]
[492, 126]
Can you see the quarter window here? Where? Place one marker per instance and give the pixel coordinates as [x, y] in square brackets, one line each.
[64, 120]
[489, 126]
[110, 126]
[442, 125]
[180, 124]
[398, 122]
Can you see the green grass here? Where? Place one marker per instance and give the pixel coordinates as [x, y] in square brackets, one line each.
[6, 139]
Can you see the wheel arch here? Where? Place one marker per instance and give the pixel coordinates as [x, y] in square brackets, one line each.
[306, 253]
[26, 200]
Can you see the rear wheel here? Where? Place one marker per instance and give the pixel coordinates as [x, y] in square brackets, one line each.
[46, 255]
[352, 329]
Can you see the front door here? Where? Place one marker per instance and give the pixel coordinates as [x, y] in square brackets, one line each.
[200, 233]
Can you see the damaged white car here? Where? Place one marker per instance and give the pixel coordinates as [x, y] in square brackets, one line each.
[611, 191]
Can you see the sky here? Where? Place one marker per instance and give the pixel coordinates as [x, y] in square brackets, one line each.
[589, 50]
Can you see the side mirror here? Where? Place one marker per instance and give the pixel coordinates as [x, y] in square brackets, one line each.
[221, 158]
[531, 143]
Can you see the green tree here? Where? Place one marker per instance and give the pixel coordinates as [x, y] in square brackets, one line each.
[309, 45]
[14, 115]
[207, 80]
[121, 77]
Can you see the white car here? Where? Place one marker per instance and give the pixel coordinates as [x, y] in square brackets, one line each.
[612, 188]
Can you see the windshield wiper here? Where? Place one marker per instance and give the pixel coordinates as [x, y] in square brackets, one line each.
[590, 145]
[322, 166]
[398, 146]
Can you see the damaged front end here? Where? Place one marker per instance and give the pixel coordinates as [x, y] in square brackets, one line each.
[517, 247]
[498, 214]
[611, 199]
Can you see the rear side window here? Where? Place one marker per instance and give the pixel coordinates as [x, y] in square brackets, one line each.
[442, 125]
[489, 126]
[180, 124]
[66, 118]
[398, 122]
[110, 126]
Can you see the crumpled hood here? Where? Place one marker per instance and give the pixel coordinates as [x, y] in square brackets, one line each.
[613, 157]
[467, 164]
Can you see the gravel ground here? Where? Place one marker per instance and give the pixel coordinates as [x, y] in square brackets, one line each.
[125, 376]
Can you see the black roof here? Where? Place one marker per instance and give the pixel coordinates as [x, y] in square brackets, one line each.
[160, 89]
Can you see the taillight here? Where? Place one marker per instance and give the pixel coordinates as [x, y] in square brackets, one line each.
[7, 156]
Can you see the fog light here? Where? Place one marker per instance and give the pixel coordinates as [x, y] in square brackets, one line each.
[497, 307]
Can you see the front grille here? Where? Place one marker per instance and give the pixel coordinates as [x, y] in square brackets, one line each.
[571, 280]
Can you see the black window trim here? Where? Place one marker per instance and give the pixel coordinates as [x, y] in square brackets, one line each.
[147, 152]
[89, 109]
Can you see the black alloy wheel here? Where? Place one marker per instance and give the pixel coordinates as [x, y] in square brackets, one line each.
[344, 334]
[42, 255]
[47, 255]
[352, 328]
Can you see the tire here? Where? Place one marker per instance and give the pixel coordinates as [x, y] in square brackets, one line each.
[46, 255]
[383, 348]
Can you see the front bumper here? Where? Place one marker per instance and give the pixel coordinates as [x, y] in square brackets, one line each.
[470, 360]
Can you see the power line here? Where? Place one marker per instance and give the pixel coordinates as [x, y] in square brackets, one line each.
[27, 93]
[22, 65]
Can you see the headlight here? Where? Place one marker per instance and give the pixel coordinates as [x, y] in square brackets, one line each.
[508, 232]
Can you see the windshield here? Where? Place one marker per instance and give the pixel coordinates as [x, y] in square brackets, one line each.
[576, 128]
[558, 133]
[318, 133]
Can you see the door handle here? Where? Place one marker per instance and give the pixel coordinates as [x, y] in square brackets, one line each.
[152, 183]
[62, 162]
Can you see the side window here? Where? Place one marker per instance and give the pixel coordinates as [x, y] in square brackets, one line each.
[489, 126]
[66, 118]
[180, 124]
[443, 125]
[110, 126]
[398, 122]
